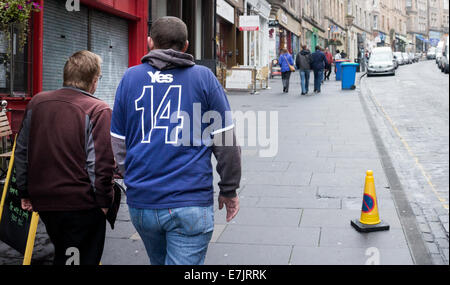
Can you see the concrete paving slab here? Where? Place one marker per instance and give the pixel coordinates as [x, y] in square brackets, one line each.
[124, 252]
[246, 254]
[218, 230]
[349, 192]
[252, 166]
[268, 235]
[349, 256]
[332, 218]
[343, 237]
[121, 230]
[279, 191]
[299, 203]
[349, 179]
[273, 217]
[287, 178]
[356, 204]
[316, 165]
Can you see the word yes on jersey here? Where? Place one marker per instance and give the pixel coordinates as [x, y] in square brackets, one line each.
[160, 78]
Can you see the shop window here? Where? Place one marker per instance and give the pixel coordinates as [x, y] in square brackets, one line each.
[20, 68]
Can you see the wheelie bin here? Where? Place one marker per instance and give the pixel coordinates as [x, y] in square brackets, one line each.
[339, 69]
[349, 75]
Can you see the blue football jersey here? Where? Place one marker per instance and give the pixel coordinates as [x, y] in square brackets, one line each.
[168, 119]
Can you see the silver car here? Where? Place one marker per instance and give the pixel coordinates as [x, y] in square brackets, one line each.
[399, 58]
[381, 64]
[406, 58]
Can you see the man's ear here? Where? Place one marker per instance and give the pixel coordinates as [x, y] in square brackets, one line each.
[151, 43]
[186, 46]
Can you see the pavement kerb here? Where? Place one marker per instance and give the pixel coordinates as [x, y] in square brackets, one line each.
[416, 244]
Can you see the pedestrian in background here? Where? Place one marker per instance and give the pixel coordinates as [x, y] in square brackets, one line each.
[303, 65]
[318, 63]
[170, 190]
[329, 57]
[287, 67]
[64, 161]
[337, 56]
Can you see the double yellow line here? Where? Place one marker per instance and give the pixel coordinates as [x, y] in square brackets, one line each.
[444, 202]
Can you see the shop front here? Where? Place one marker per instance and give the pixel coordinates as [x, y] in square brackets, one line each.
[255, 46]
[199, 16]
[288, 31]
[115, 30]
[314, 36]
[229, 39]
[420, 42]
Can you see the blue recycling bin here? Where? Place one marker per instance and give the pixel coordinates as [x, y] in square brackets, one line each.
[349, 75]
[339, 63]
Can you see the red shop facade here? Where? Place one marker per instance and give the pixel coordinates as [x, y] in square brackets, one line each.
[114, 29]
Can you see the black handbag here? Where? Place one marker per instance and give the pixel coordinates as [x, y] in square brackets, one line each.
[111, 216]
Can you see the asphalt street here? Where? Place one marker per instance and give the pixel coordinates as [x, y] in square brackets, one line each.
[411, 112]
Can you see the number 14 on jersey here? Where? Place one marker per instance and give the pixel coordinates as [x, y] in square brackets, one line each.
[160, 114]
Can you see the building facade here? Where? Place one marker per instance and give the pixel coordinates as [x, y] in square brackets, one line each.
[335, 25]
[417, 24]
[285, 27]
[314, 24]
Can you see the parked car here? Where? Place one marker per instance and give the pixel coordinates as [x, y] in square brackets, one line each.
[381, 62]
[412, 57]
[445, 57]
[418, 56]
[439, 48]
[431, 53]
[399, 58]
[406, 58]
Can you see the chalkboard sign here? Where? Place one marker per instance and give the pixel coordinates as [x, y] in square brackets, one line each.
[15, 222]
[17, 226]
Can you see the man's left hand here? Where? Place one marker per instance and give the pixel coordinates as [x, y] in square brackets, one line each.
[26, 205]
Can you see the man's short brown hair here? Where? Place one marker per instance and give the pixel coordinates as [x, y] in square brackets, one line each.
[81, 69]
[169, 33]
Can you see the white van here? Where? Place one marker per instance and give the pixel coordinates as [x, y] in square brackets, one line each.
[439, 50]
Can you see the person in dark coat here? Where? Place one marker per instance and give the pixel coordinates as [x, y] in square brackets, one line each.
[318, 63]
[303, 65]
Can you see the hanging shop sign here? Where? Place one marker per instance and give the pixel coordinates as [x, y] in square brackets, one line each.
[225, 11]
[289, 23]
[249, 23]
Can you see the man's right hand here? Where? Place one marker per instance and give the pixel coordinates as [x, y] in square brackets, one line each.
[232, 205]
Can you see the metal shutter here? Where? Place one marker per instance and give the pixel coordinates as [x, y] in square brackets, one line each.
[64, 34]
[109, 39]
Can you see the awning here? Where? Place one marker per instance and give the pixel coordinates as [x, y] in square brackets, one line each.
[402, 38]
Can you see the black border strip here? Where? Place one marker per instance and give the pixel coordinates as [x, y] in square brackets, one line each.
[419, 251]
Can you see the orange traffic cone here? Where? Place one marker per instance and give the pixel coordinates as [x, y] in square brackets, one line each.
[370, 219]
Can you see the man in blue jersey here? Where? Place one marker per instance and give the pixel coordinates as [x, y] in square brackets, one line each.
[169, 117]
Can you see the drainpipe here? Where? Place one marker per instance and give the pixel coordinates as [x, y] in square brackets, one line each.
[245, 37]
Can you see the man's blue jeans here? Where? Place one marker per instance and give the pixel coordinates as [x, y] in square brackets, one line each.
[177, 236]
[304, 79]
[318, 77]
